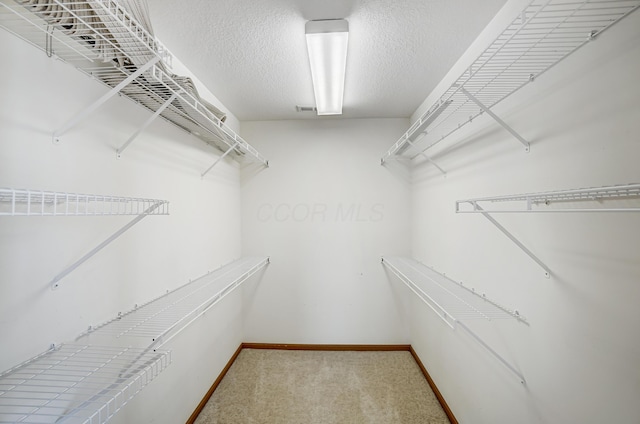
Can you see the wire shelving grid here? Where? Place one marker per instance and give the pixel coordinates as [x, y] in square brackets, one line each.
[22, 202]
[544, 33]
[100, 38]
[76, 383]
[628, 195]
[453, 302]
[161, 319]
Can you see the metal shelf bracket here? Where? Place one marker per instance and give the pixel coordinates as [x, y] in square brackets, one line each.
[547, 271]
[103, 99]
[488, 111]
[428, 159]
[145, 125]
[219, 159]
[55, 283]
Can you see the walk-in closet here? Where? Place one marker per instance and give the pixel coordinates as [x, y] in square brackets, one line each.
[328, 212]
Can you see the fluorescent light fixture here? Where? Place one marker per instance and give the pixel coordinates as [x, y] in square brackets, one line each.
[327, 46]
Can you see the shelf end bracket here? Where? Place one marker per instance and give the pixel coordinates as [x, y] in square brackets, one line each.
[219, 159]
[95, 105]
[56, 280]
[428, 159]
[484, 108]
[145, 125]
[547, 271]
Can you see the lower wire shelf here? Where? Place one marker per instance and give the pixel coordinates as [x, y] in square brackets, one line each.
[89, 380]
[158, 321]
[77, 383]
[453, 302]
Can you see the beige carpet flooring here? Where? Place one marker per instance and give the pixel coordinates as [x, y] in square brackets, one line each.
[316, 387]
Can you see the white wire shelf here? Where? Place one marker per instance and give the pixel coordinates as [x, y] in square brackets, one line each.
[626, 197]
[22, 202]
[542, 35]
[453, 302]
[101, 39]
[76, 383]
[161, 319]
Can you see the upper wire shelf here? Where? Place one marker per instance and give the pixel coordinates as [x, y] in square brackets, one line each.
[15, 202]
[159, 320]
[76, 383]
[625, 197]
[100, 38]
[542, 35]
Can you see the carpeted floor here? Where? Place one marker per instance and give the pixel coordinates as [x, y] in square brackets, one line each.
[317, 387]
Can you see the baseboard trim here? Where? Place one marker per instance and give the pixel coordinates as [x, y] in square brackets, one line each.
[328, 347]
[214, 386]
[433, 386]
[325, 347]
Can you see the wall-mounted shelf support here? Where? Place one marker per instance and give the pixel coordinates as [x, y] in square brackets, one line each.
[103, 99]
[488, 111]
[145, 125]
[428, 159]
[547, 271]
[56, 280]
[229, 150]
[452, 302]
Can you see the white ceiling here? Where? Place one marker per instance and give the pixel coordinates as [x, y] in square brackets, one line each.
[252, 53]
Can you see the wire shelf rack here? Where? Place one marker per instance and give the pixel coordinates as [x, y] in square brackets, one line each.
[22, 202]
[76, 383]
[161, 319]
[101, 39]
[454, 303]
[542, 35]
[627, 196]
[451, 300]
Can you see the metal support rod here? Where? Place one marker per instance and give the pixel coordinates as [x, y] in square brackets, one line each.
[547, 272]
[55, 282]
[219, 159]
[493, 352]
[95, 105]
[497, 119]
[146, 124]
[423, 154]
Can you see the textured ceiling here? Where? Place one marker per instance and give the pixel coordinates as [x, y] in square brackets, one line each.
[252, 53]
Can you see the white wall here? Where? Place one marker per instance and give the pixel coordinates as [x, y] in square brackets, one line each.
[325, 211]
[201, 233]
[580, 352]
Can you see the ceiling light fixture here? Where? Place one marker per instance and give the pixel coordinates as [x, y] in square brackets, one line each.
[327, 46]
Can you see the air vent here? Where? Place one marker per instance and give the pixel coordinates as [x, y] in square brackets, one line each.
[306, 109]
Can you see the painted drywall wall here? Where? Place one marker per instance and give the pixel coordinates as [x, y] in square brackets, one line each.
[579, 353]
[325, 211]
[201, 233]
